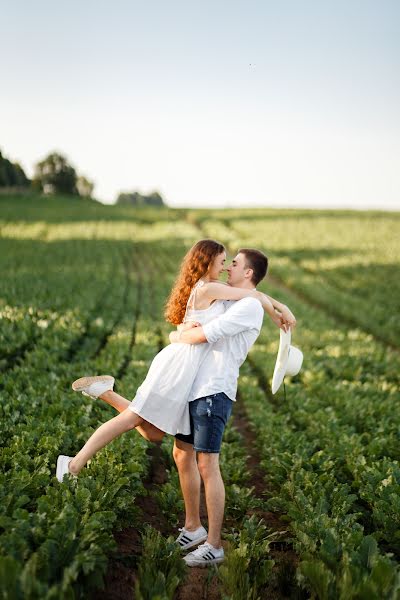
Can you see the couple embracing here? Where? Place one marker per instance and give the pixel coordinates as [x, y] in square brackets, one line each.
[191, 385]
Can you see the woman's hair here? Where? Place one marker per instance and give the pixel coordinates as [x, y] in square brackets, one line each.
[194, 265]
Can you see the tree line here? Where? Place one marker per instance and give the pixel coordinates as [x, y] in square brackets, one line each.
[55, 175]
[12, 174]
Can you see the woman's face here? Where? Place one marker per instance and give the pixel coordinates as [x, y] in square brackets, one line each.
[217, 266]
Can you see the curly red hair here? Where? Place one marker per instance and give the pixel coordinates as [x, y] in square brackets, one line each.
[194, 265]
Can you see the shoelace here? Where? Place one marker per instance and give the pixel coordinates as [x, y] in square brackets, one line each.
[186, 531]
[198, 553]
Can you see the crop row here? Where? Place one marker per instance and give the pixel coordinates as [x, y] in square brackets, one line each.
[104, 322]
[56, 538]
[331, 454]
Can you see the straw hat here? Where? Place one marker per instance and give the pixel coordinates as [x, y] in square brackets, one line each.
[288, 362]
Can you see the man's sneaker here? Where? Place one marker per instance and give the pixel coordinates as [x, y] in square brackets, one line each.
[187, 539]
[204, 555]
[62, 466]
[93, 386]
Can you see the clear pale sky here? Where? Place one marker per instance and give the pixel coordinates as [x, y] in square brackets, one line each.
[213, 103]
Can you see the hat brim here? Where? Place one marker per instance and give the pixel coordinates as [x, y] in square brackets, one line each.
[281, 360]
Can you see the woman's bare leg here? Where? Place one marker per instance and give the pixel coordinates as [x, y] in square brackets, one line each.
[125, 421]
[115, 400]
[150, 432]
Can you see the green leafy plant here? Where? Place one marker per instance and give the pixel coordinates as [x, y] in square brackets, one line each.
[161, 567]
[248, 563]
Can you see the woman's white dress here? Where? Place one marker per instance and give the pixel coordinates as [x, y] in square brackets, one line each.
[162, 399]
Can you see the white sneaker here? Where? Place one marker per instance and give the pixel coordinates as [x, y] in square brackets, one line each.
[62, 466]
[93, 386]
[204, 555]
[187, 539]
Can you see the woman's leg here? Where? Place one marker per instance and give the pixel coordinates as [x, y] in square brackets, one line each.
[150, 432]
[125, 421]
[115, 400]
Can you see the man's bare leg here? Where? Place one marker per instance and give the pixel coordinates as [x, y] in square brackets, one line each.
[107, 432]
[150, 432]
[189, 477]
[214, 489]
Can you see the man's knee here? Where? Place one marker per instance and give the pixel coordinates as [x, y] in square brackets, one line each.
[208, 463]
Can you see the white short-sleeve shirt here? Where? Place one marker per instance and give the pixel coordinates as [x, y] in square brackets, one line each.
[232, 335]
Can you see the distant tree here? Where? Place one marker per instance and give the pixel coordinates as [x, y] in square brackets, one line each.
[12, 174]
[54, 175]
[84, 186]
[137, 199]
[154, 199]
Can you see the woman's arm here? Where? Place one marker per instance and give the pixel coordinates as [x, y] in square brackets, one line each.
[222, 291]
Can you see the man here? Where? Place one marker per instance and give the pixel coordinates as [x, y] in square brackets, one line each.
[211, 400]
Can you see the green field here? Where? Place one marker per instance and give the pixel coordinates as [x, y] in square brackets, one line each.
[82, 291]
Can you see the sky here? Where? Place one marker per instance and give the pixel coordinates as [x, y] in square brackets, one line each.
[212, 103]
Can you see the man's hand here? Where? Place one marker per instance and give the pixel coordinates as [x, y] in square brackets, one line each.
[277, 319]
[288, 317]
[186, 326]
[281, 322]
[174, 336]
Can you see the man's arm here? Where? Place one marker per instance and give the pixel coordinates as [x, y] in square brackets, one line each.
[195, 335]
[243, 315]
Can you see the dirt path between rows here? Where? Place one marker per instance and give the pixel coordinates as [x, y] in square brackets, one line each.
[121, 573]
[285, 558]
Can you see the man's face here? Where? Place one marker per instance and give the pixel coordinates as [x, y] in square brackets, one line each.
[237, 270]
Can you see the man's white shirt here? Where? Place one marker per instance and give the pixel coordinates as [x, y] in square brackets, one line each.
[232, 335]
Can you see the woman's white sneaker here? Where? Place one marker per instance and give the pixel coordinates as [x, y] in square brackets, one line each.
[62, 466]
[93, 386]
[187, 539]
[204, 555]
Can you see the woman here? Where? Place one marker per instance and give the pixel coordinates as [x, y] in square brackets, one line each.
[160, 405]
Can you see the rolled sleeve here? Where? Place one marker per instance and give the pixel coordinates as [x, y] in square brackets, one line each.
[243, 315]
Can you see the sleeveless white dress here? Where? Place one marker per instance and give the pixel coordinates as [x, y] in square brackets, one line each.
[162, 399]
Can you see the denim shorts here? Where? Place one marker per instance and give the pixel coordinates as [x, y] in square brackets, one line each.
[208, 418]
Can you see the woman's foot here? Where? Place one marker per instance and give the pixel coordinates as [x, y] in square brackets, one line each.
[93, 386]
[62, 466]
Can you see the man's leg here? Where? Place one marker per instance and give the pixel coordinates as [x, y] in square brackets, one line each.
[189, 477]
[210, 415]
[150, 432]
[208, 464]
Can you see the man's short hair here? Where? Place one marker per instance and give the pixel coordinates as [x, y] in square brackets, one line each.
[257, 261]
